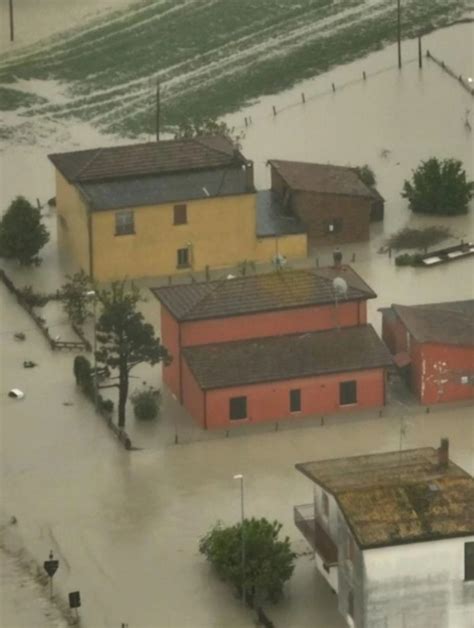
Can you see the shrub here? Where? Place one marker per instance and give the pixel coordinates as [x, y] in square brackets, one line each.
[406, 259]
[146, 403]
[366, 175]
[409, 238]
[32, 298]
[269, 561]
[84, 374]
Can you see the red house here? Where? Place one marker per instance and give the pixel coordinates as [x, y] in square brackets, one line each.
[434, 345]
[271, 346]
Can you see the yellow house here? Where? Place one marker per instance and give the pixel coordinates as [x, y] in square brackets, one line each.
[166, 207]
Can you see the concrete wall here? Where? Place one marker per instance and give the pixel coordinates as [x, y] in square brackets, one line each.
[270, 401]
[291, 246]
[72, 222]
[418, 585]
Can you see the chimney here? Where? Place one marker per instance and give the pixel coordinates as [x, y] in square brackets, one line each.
[249, 184]
[337, 257]
[443, 453]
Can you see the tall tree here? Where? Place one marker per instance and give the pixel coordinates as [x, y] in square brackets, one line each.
[366, 175]
[125, 339]
[439, 187]
[22, 233]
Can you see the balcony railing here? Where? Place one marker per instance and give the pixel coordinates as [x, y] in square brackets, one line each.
[313, 531]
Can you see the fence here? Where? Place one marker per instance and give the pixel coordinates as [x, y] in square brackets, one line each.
[81, 344]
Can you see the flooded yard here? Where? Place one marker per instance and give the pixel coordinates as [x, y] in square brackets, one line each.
[125, 525]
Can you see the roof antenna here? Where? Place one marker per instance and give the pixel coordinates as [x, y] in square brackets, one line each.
[158, 108]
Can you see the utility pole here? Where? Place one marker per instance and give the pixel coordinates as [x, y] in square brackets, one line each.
[158, 111]
[420, 55]
[399, 34]
[12, 29]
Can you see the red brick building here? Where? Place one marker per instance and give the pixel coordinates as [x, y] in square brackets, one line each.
[271, 346]
[333, 203]
[434, 345]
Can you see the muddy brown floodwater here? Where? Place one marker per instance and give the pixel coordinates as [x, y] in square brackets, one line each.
[125, 525]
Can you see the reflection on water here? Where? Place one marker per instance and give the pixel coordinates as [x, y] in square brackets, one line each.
[126, 525]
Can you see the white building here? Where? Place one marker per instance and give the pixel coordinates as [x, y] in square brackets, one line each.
[393, 535]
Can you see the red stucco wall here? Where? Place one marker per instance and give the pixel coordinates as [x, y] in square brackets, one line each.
[298, 320]
[270, 402]
[193, 396]
[443, 384]
[170, 339]
[394, 333]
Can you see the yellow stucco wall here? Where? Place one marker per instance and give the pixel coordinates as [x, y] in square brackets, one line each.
[72, 220]
[219, 232]
[291, 246]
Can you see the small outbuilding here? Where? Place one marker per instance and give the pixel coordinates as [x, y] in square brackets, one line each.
[333, 203]
[433, 345]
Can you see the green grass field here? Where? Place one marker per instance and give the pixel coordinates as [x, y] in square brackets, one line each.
[210, 56]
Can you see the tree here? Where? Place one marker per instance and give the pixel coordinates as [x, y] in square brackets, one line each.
[269, 562]
[438, 187]
[125, 339]
[22, 234]
[409, 238]
[207, 126]
[74, 297]
[366, 175]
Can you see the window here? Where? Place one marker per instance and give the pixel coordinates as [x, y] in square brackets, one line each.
[333, 226]
[180, 215]
[347, 393]
[237, 408]
[295, 400]
[183, 258]
[124, 223]
[325, 505]
[469, 561]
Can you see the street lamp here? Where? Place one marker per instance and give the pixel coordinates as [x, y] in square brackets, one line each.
[93, 294]
[240, 477]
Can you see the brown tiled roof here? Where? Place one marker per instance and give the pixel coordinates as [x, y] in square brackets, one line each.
[321, 178]
[100, 164]
[241, 362]
[447, 323]
[398, 497]
[279, 290]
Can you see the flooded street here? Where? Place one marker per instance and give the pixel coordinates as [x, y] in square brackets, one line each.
[125, 525]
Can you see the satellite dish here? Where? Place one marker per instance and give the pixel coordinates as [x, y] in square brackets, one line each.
[279, 260]
[340, 286]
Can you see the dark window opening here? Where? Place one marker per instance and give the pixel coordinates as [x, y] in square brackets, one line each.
[333, 226]
[325, 505]
[62, 221]
[180, 215]
[237, 408]
[295, 400]
[469, 561]
[347, 393]
[124, 223]
[183, 258]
